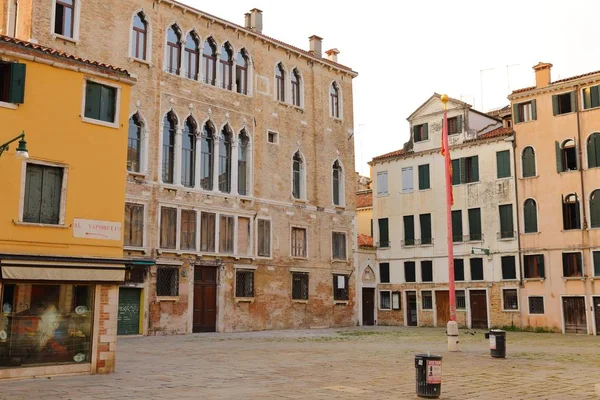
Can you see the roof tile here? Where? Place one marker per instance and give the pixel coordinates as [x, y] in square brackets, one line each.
[364, 240]
[364, 199]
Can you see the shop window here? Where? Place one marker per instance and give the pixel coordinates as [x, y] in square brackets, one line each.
[385, 300]
[244, 283]
[510, 299]
[299, 285]
[167, 281]
[426, 300]
[340, 287]
[46, 324]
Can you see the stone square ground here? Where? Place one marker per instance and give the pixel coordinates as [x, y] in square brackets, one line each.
[353, 363]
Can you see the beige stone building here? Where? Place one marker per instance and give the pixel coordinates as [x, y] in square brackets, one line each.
[240, 181]
[557, 127]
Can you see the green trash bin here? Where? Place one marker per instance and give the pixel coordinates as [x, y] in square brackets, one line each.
[429, 375]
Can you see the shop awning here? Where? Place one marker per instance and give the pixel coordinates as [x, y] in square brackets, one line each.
[33, 268]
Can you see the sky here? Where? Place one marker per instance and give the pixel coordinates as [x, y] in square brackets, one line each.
[404, 51]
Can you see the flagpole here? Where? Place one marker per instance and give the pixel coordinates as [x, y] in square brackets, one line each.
[452, 328]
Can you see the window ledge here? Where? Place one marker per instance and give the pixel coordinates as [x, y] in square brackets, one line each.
[407, 191]
[506, 178]
[534, 279]
[523, 178]
[245, 197]
[137, 174]
[341, 302]
[594, 278]
[525, 122]
[299, 301]
[422, 141]
[11, 106]
[133, 248]
[301, 201]
[530, 233]
[574, 278]
[566, 113]
[384, 309]
[299, 258]
[475, 241]
[515, 311]
[57, 36]
[336, 260]
[383, 194]
[60, 226]
[249, 300]
[337, 119]
[283, 103]
[568, 171]
[298, 108]
[507, 239]
[114, 125]
[167, 298]
[571, 230]
[427, 309]
[140, 61]
[264, 258]
[510, 280]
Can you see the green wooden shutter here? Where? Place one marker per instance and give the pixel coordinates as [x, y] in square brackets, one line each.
[107, 103]
[93, 94]
[51, 190]
[463, 172]
[530, 214]
[457, 231]
[425, 132]
[503, 164]
[416, 136]
[33, 193]
[572, 98]
[506, 221]
[595, 96]
[559, 163]
[577, 214]
[424, 177]
[587, 100]
[475, 169]
[16, 93]
[456, 172]
[534, 110]
[593, 150]
[459, 123]
[409, 230]
[128, 320]
[528, 162]
[555, 104]
[383, 232]
[425, 221]
[475, 223]
[516, 116]
[596, 263]
[595, 209]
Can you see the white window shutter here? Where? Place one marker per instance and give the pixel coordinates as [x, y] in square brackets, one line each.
[382, 182]
[407, 179]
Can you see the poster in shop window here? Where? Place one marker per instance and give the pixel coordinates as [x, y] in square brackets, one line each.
[434, 371]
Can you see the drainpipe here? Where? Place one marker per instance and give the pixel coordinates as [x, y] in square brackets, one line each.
[521, 268]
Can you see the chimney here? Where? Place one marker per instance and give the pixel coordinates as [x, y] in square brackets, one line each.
[332, 54]
[247, 22]
[316, 43]
[256, 23]
[542, 74]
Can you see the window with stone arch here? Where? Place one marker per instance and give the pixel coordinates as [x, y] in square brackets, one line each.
[226, 63]
[188, 152]
[241, 71]
[595, 209]
[207, 156]
[168, 147]
[334, 100]
[209, 61]
[134, 143]
[528, 164]
[280, 82]
[566, 156]
[338, 184]
[173, 64]
[296, 81]
[593, 150]
[298, 176]
[139, 36]
[225, 142]
[243, 163]
[192, 55]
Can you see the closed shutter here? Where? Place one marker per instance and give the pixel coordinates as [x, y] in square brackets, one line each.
[409, 230]
[384, 272]
[93, 98]
[459, 269]
[555, 104]
[503, 164]
[425, 222]
[107, 103]
[559, 162]
[16, 94]
[516, 115]
[533, 110]
[459, 124]
[572, 100]
[528, 162]
[425, 132]
[457, 232]
[474, 169]
[407, 179]
[508, 267]
[463, 171]
[475, 224]
[33, 193]
[456, 172]
[506, 221]
[51, 189]
[595, 96]
[593, 150]
[383, 232]
[595, 209]
[128, 322]
[382, 182]
[424, 177]
[417, 133]
[596, 263]
[530, 216]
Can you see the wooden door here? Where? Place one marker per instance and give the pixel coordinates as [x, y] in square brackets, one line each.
[368, 306]
[205, 299]
[574, 314]
[478, 303]
[128, 317]
[597, 314]
[442, 307]
[411, 300]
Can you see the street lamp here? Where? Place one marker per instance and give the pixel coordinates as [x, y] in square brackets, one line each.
[21, 148]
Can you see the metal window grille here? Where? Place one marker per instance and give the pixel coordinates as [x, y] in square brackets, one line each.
[167, 281]
[536, 305]
[244, 283]
[385, 300]
[340, 287]
[426, 300]
[461, 302]
[299, 286]
[511, 300]
[339, 246]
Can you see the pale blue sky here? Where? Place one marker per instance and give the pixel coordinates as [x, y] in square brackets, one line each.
[406, 50]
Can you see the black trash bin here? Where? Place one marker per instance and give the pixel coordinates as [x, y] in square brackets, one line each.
[429, 375]
[497, 342]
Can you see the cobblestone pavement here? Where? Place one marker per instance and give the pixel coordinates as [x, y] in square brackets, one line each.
[356, 363]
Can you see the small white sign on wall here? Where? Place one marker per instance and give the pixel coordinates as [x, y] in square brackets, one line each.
[92, 229]
[341, 282]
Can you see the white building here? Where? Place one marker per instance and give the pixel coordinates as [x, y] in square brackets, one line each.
[409, 219]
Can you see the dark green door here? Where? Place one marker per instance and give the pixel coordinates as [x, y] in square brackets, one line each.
[129, 311]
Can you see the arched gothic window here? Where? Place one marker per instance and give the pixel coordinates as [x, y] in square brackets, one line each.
[207, 155]
[209, 62]
[243, 163]
[338, 184]
[226, 66]
[280, 82]
[188, 153]
[173, 50]
[225, 160]
[241, 72]
[296, 81]
[168, 154]
[334, 94]
[139, 36]
[134, 143]
[192, 56]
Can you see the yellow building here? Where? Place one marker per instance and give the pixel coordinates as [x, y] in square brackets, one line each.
[557, 127]
[61, 210]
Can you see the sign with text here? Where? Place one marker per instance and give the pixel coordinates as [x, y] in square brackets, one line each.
[92, 229]
[434, 372]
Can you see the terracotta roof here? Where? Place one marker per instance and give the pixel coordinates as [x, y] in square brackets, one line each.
[365, 240]
[559, 81]
[393, 154]
[499, 111]
[57, 53]
[299, 50]
[496, 133]
[364, 199]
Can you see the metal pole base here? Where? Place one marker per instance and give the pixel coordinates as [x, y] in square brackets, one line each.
[452, 332]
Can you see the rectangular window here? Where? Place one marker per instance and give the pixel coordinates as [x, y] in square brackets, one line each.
[456, 172]
[384, 239]
[244, 283]
[100, 102]
[469, 169]
[425, 222]
[427, 271]
[503, 164]
[407, 179]
[424, 181]
[207, 232]
[338, 240]
[591, 97]
[384, 272]
[64, 17]
[475, 225]
[534, 266]
[396, 301]
[167, 281]
[510, 300]
[526, 111]
[506, 221]
[459, 269]
[563, 103]
[596, 260]
[272, 137]
[43, 192]
[509, 270]
[409, 230]
[457, 231]
[188, 230]
[298, 242]
[420, 132]
[134, 225]
[37, 319]
[12, 82]
[426, 300]
[226, 234]
[536, 305]
[572, 265]
[455, 125]
[340, 287]
[243, 236]
[570, 209]
[264, 238]
[385, 302]
[299, 285]
[168, 227]
[409, 271]
[461, 302]
[476, 269]
[382, 183]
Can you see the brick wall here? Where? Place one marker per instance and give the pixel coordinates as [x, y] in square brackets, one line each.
[107, 329]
